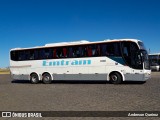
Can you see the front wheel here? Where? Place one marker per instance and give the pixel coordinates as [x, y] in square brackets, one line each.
[46, 78]
[115, 78]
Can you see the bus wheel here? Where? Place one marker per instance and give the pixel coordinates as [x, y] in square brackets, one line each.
[46, 78]
[115, 78]
[34, 78]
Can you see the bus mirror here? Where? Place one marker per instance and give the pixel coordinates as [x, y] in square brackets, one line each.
[139, 58]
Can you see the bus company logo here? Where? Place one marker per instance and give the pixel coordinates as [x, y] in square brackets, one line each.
[6, 114]
[66, 62]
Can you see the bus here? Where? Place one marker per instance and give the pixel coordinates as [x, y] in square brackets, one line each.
[114, 60]
[155, 61]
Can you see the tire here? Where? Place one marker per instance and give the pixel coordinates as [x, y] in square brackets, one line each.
[115, 78]
[46, 78]
[34, 78]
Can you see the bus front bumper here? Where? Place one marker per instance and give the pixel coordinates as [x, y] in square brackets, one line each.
[147, 75]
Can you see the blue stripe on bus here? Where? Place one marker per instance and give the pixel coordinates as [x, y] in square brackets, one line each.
[118, 60]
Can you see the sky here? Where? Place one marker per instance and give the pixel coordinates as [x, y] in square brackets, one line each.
[29, 23]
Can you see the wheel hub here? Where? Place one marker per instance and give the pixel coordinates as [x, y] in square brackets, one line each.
[46, 78]
[114, 77]
[33, 79]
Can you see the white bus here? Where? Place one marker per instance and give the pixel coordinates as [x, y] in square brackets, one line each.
[155, 61]
[112, 60]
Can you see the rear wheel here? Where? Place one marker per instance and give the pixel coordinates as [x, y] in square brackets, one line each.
[46, 78]
[34, 78]
[115, 78]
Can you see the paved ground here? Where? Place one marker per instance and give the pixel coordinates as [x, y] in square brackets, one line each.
[79, 96]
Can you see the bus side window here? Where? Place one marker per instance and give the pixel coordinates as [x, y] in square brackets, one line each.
[64, 52]
[27, 53]
[50, 53]
[89, 50]
[80, 49]
[54, 53]
[21, 55]
[117, 51]
[98, 50]
[41, 54]
[93, 50]
[36, 55]
[110, 50]
[103, 47]
[31, 55]
[14, 55]
[74, 52]
[70, 54]
[59, 53]
[85, 51]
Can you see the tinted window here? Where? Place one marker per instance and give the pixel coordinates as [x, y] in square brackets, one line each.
[129, 51]
[92, 50]
[141, 45]
[111, 49]
[14, 55]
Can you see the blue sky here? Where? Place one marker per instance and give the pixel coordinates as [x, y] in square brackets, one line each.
[28, 23]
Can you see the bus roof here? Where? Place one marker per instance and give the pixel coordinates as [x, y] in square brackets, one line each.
[81, 42]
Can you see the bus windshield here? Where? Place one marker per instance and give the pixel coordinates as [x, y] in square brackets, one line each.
[133, 56]
[141, 45]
